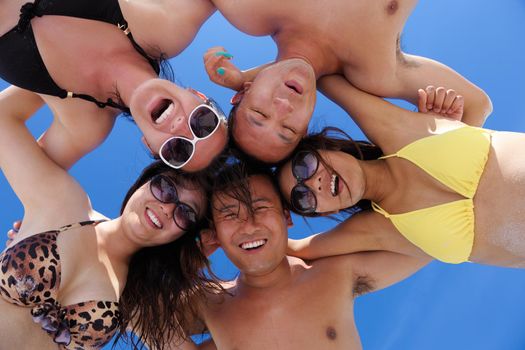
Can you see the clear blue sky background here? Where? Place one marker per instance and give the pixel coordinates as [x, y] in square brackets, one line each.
[455, 307]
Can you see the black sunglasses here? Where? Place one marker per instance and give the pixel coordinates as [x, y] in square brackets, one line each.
[203, 121]
[304, 166]
[165, 191]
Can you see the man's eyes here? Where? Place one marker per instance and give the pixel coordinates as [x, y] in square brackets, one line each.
[261, 208]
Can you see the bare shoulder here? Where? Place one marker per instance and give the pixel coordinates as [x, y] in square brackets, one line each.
[240, 15]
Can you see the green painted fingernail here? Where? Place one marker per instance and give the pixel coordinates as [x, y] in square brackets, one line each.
[221, 71]
[224, 54]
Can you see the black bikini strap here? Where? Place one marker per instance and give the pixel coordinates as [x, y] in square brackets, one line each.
[27, 12]
[153, 62]
[80, 224]
[109, 102]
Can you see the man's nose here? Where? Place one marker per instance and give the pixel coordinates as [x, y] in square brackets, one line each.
[282, 106]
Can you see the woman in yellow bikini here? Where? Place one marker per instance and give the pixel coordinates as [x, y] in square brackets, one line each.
[442, 188]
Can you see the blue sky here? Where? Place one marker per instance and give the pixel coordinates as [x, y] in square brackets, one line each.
[443, 306]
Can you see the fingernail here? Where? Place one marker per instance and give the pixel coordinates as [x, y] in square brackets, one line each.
[223, 54]
[221, 71]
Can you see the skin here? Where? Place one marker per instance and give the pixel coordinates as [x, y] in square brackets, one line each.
[73, 132]
[358, 39]
[274, 296]
[51, 199]
[399, 186]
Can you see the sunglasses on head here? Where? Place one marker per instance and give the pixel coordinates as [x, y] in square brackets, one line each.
[165, 191]
[304, 166]
[203, 121]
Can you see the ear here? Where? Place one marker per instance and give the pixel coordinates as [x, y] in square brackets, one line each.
[237, 98]
[198, 93]
[208, 242]
[145, 143]
[288, 217]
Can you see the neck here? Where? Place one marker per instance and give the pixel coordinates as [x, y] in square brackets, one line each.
[279, 276]
[320, 56]
[114, 241]
[124, 73]
[379, 181]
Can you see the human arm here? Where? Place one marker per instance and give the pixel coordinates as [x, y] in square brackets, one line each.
[223, 72]
[77, 128]
[414, 72]
[385, 124]
[365, 231]
[371, 271]
[440, 102]
[35, 178]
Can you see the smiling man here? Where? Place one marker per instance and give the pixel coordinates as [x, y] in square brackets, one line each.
[272, 303]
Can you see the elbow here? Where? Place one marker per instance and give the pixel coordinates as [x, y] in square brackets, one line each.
[478, 110]
[485, 104]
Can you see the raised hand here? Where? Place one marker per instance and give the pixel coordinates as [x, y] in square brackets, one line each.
[221, 70]
[441, 102]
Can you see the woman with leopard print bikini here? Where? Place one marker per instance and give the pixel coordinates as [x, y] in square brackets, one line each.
[72, 276]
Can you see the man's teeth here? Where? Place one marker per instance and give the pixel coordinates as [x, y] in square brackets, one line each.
[165, 114]
[254, 244]
[154, 218]
[333, 185]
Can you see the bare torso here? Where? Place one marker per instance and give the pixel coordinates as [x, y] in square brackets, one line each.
[313, 310]
[18, 331]
[360, 36]
[498, 204]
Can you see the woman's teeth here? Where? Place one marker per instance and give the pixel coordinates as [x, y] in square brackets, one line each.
[334, 185]
[253, 245]
[154, 218]
[165, 114]
[162, 111]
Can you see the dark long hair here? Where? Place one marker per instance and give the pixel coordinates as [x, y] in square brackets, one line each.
[334, 139]
[164, 282]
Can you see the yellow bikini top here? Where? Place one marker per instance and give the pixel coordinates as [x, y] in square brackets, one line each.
[457, 159]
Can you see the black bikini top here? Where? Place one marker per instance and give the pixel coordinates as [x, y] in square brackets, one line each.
[21, 63]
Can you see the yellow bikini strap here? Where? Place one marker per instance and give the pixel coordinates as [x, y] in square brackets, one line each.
[388, 156]
[380, 210]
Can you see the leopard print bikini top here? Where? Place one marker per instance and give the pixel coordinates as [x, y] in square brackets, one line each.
[30, 277]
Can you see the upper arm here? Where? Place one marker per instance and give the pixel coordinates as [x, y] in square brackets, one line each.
[381, 121]
[34, 177]
[382, 269]
[76, 130]
[19, 103]
[415, 72]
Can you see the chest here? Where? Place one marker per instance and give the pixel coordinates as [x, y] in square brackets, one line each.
[308, 316]
[64, 56]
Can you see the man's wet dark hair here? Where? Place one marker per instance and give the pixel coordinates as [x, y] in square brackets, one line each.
[233, 181]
